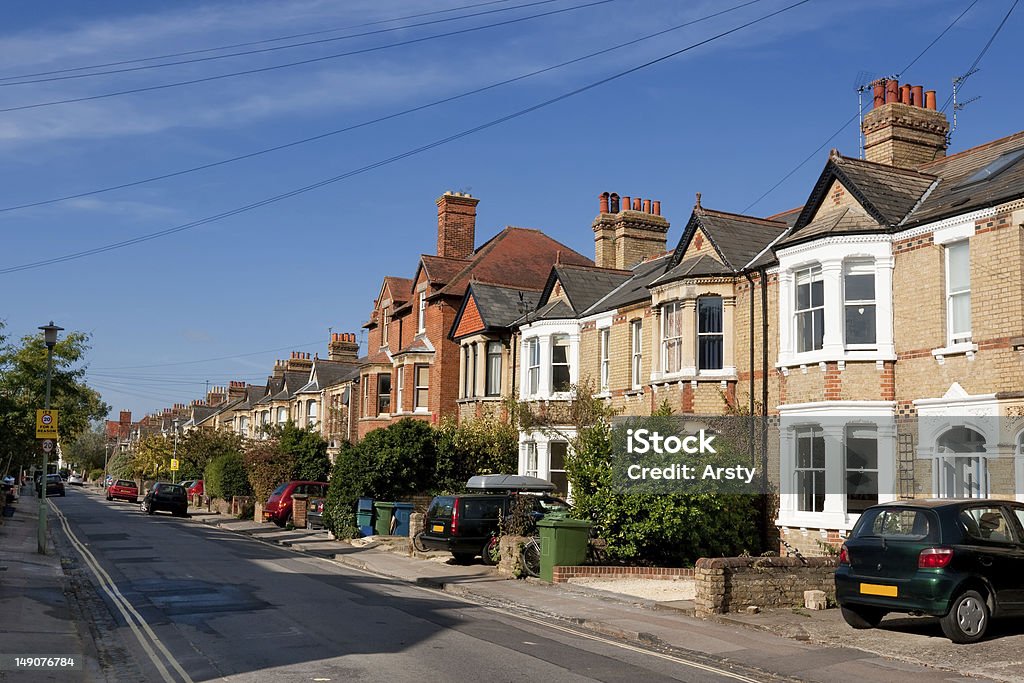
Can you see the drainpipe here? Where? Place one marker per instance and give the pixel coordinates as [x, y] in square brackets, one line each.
[750, 281]
[763, 273]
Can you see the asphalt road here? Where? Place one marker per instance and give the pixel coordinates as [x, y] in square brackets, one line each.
[173, 600]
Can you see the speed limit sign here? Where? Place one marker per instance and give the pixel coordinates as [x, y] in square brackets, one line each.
[47, 445]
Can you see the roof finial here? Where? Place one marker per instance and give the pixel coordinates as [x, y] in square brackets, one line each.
[698, 200]
[558, 257]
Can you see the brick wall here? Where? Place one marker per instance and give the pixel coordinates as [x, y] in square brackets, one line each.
[563, 574]
[730, 584]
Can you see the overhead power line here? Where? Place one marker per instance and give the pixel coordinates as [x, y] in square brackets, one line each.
[303, 62]
[211, 360]
[855, 116]
[379, 119]
[392, 159]
[264, 41]
[970, 71]
[277, 48]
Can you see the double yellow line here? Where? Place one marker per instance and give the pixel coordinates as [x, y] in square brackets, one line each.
[143, 633]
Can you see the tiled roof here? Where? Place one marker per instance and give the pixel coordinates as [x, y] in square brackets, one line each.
[952, 197]
[515, 257]
[635, 288]
[418, 345]
[441, 269]
[501, 306]
[789, 217]
[400, 288]
[331, 372]
[737, 238]
[555, 310]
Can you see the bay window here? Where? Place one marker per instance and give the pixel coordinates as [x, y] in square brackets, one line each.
[421, 376]
[672, 337]
[560, 376]
[861, 450]
[859, 303]
[383, 393]
[533, 366]
[810, 309]
[493, 380]
[710, 337]
[810, 469]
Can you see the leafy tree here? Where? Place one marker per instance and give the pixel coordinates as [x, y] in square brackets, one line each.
[267, 466]
[225, 476]
[23, 391]
[89, 450]
[286, 452]
[120, 466]
[151, 458]
[308, 449]
[480, 446]
[199, 447]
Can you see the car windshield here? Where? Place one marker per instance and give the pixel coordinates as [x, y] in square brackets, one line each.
[53, 477]
[280, 489]
[897, 523]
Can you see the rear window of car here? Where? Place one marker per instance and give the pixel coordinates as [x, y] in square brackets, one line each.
[171, 488]
[485, 508]
[897, 523]
[125, 482]
[53, 477]
[441, 507]
[280, 489]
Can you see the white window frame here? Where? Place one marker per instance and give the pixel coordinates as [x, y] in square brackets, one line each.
[560, 340]
[854, 430]
[531, 465]
[856, 267]
[399, 389]
[812, 433]
[385, 315]
[708, 335]
[311, 412]
[380, 395]
[421, 319]
[422, 405]
[492, 375]
[636, 334]
[533, 366]
[813, 273]
[604, 336]
[671, 308]
[282, 411]
[957, 336]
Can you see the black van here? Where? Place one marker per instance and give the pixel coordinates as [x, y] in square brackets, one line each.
[467, 524]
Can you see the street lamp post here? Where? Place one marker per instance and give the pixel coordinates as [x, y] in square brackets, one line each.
[50, 338]
[174, 454]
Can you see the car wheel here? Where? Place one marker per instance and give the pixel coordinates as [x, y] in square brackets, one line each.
[109, 498]
[863, 617]
[463, 558]
[62, 493]
[150, 509]
[491, 554]
[135, 500]
[967, 619]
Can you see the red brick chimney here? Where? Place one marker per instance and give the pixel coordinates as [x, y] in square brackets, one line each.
[904, 129]
[456, 224]
[236, 390]
[628, 232]
[343, 346]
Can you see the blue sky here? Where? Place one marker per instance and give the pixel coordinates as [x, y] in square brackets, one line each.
[728, 119]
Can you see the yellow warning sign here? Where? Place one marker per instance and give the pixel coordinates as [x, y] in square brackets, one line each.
[46, 424]
[174, 464]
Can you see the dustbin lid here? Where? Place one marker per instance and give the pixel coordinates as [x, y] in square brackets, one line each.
[382, 504]
[365, 504]
[558, 521]
[403, 506]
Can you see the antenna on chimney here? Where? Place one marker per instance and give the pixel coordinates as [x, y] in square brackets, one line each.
[864, 81]
[957, 106]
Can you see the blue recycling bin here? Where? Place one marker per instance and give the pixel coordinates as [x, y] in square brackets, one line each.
[400, 527]
[364, 516]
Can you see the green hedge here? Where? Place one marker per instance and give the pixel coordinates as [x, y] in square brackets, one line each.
[226, 476]
[96, 475]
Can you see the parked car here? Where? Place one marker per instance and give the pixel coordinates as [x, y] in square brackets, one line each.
[125, 489]
[76, 480]
[187, 484]
[466, 524]
[196, 489]
[54, 485]
[315, 513]
[278, 508]
[959, 560]
[166, 496]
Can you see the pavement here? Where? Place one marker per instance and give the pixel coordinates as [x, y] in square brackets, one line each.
[38, 601]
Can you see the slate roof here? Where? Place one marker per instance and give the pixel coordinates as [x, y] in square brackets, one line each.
[583, 286]
[695, 266]
[274, 386]
[634, 289]
[501, 306]
[789, 216]
[950, 197]
[555, 310]
[202, 413]
[737, 238]
[419, 344]
[331, 372]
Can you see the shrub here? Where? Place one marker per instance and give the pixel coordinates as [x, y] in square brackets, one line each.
[267, 466]
[225, 477]
[480, 446]
[96, 475]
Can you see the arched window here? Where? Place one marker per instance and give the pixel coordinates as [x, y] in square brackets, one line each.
[963, 469]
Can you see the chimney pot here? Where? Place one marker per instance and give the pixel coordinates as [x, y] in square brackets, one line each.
[647, 206]
[626, 203]
[603, 202]
[905, 93]
[879, 93]
[892, 91]
[656, 207]
[917, 95]
[614, 203]
[637, 203]
[929, 99]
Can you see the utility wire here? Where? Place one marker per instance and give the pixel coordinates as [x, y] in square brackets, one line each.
[250, 43]
[981, 54]
[211, 360]
[276, 48]
[855, 116]
[312, 60]
[389, 160]
[380, 119]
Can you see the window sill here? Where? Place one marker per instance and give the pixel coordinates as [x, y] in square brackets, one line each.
[847, 356]
[962, 349]
[479, 399]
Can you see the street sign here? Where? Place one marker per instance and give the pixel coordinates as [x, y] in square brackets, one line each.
[174, 464]
[47, 445]
[46, 424]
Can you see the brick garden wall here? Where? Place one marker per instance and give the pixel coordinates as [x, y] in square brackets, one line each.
[730, 584]
[563, 574]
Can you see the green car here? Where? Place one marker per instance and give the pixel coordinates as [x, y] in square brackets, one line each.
[959, 560]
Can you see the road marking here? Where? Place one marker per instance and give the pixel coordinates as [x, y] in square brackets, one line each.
[125, 607]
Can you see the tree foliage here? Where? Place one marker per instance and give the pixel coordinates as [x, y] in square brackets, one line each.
[89, 450]
[225, 476]
[199, 447]
[480, 446]
[151, 458]
[308, 450]
[23, 391]
[267, 466]
[285, 453]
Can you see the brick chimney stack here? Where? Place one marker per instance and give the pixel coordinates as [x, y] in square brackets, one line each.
[456, 224]
[343, 346]
[236, 390]
[903, 128]
[215, 396]
[627, 232]
[300, 361]
[125, 418]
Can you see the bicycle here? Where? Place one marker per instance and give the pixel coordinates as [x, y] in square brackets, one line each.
[530, 557]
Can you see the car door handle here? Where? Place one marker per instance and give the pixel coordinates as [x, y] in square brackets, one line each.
[985, 561]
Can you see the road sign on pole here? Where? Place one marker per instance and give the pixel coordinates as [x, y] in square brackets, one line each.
[174, 464]
[46, 424]
[47, 445]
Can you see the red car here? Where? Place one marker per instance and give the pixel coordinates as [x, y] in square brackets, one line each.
[278, 508]
[124, 489]
[195, 489]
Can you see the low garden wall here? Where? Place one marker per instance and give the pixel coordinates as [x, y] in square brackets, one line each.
[731, 584]
[563, 574]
